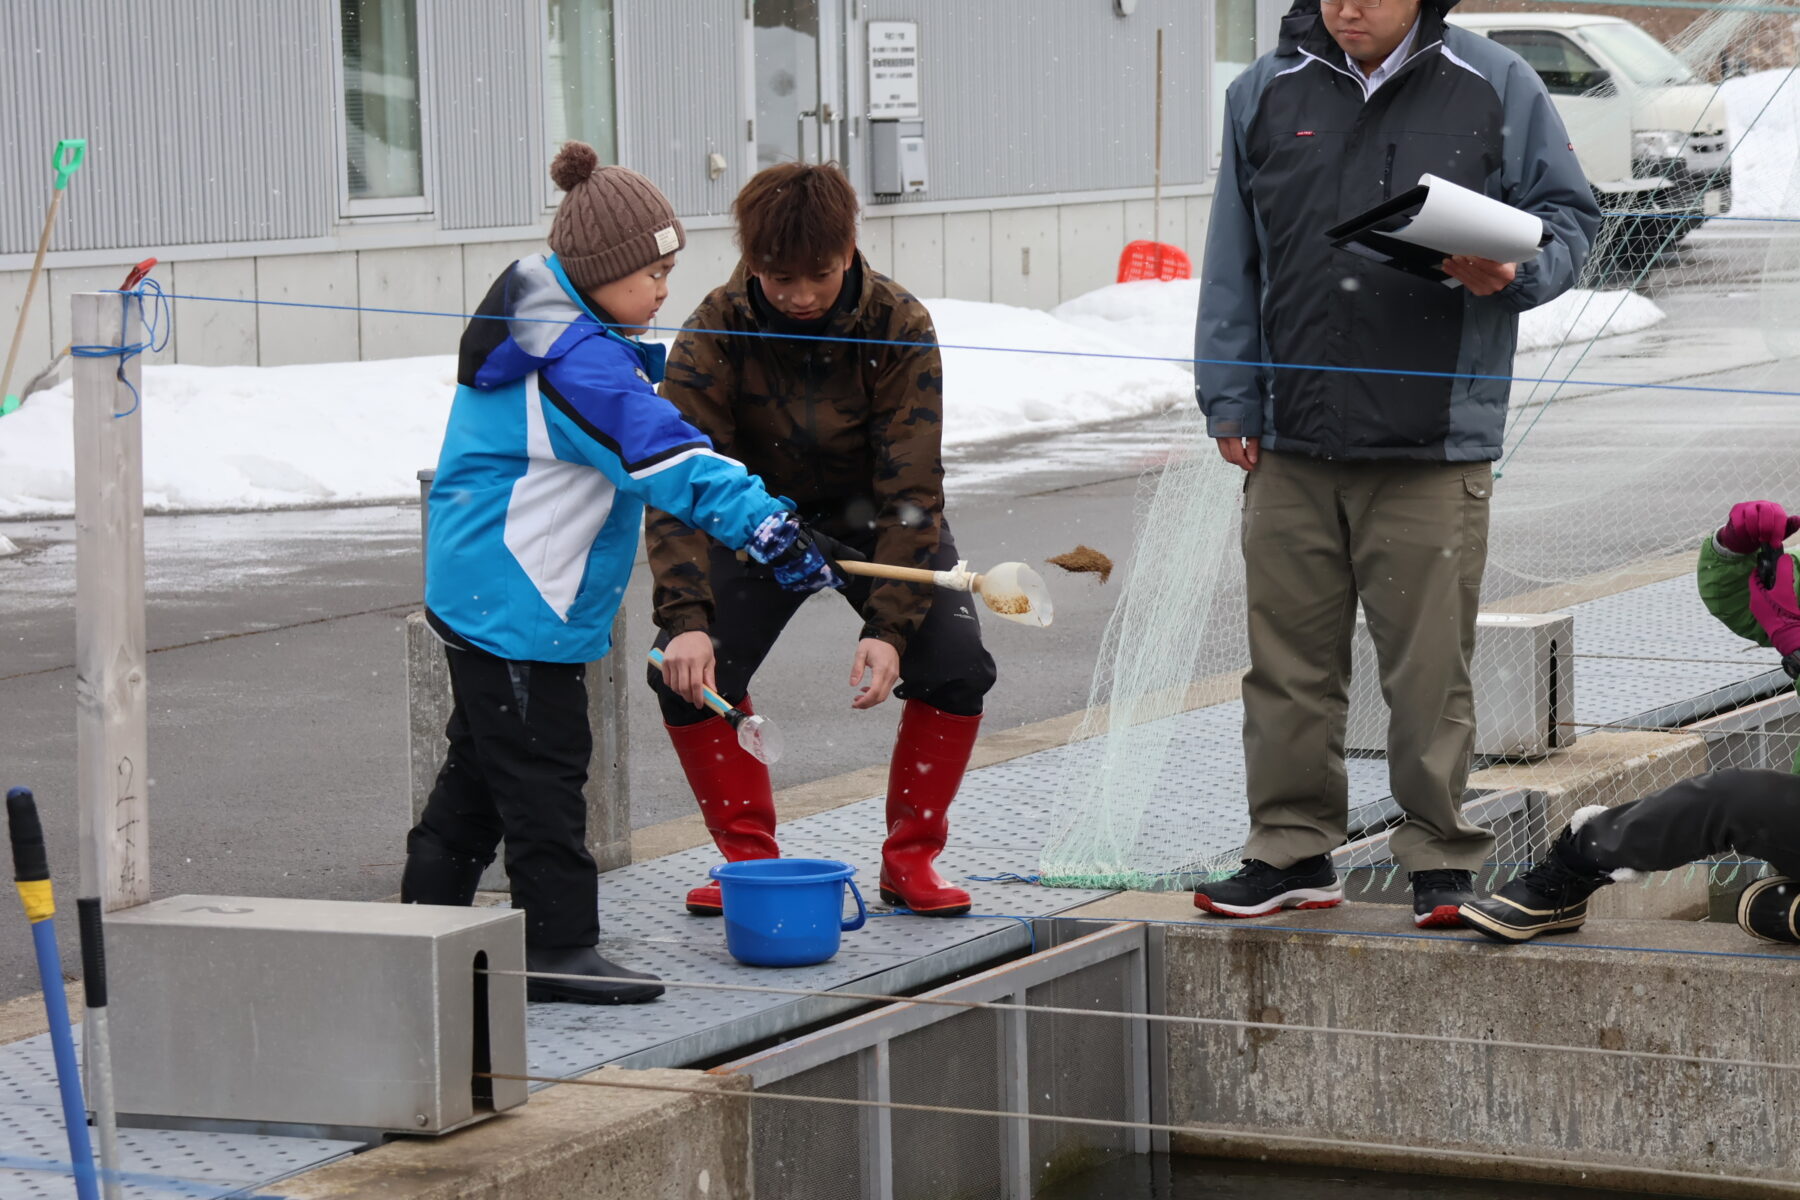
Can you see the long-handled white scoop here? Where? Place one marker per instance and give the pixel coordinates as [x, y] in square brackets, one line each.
[1011, 589]
[757, 735]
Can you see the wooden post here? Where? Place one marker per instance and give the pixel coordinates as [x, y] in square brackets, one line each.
[1156, 205]
[609, 684]
[111, 778]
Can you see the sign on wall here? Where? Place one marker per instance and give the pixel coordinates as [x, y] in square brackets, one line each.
[893, 70]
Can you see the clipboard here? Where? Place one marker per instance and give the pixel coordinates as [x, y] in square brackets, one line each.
[1427, 223]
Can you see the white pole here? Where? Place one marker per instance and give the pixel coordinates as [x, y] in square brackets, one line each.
[111, 778]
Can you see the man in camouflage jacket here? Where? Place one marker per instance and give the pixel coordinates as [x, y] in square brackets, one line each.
[821, 376]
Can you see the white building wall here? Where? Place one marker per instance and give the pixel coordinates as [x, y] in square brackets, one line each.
[304, 335]
[210, 333]
[34, 347]
[428, 278]
[1026, 257]
[968, 256]
[919, 254]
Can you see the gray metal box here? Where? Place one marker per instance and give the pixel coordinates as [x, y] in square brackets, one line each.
[316, 1012]
[1524, 677]
[898, 150]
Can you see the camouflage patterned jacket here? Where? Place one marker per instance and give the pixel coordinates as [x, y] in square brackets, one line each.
[849, 432]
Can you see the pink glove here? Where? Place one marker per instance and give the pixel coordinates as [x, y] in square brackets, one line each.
[1776, 609]
[1757, 523]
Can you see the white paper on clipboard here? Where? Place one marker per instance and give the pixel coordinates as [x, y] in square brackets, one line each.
[1455, 220]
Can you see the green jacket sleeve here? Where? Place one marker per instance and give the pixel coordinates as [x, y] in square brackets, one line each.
[1725, 590]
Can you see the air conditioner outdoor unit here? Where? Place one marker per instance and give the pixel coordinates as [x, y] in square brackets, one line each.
[1524, 678]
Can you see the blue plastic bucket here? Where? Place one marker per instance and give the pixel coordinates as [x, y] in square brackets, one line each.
[786, 912]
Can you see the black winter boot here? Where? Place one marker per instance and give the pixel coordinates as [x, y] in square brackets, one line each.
[435, 875]
[1770, 909]
[585, 960]
[1551, 897]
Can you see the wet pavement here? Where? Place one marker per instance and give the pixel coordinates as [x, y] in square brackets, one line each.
[277, 698]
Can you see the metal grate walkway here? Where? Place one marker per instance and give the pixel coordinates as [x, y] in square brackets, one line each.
[997, 827]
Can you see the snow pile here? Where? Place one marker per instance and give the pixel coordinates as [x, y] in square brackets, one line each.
[1158, 318]
[1091, 376]
[1763, 111]
[339, 433]
[1155, 317]
[249, 437]
[1581, 315]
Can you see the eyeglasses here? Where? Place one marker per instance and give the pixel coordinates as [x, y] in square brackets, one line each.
[1363, 4]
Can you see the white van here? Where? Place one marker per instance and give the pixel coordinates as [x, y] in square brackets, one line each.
[1650, 133]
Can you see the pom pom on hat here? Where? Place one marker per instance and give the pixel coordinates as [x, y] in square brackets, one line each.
[611, 222]
[573, 164]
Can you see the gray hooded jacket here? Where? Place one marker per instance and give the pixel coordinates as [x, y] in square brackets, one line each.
[1305, 149]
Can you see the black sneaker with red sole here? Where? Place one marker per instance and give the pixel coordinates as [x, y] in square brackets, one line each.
[1438, 897]
[1260, 889]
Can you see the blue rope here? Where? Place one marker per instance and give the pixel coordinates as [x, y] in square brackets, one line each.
[158, 325]
[1169, 358]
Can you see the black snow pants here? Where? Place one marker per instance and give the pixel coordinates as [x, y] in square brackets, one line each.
[518, 759]
[1754, 813]
[944, 663]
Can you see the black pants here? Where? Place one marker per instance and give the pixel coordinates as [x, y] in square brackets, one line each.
[1755, 813]
[944, 664]
[518, 759]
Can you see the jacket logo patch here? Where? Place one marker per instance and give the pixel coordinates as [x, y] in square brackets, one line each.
[1304, 133]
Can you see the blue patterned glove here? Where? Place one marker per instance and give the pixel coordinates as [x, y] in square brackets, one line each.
[784, 544]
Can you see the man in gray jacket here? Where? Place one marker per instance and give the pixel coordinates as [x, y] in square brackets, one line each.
[1367, 405]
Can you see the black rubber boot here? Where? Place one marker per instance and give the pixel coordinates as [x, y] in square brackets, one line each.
[585, 960]
[435, 875]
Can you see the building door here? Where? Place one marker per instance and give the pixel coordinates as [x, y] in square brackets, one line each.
[798, 47]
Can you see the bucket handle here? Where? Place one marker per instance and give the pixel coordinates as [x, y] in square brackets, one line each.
[862, 910]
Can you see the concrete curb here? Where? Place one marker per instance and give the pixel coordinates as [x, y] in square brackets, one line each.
[570, 1142]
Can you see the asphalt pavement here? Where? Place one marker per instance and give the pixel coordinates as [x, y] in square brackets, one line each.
[277, 686]
[277, 712]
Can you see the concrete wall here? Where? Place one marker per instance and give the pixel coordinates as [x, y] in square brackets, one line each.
[1480, 1112]
[571, 1142]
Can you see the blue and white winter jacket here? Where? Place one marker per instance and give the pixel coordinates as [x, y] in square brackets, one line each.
[556, 441]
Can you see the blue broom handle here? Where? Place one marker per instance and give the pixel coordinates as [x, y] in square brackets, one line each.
[68, 1069]
[31, 874]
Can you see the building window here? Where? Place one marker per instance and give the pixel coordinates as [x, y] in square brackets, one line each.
[1234, 49]
[579, 85]
[384, 161]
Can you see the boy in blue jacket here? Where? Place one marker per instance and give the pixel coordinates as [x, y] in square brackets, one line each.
[556, 441]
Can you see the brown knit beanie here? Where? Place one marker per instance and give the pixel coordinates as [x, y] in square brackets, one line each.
[612, 220]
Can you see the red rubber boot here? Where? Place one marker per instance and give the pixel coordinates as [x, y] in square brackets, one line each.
[736, 800]
[930, 755]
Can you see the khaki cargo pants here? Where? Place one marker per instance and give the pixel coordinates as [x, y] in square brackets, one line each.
[1410, 540]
